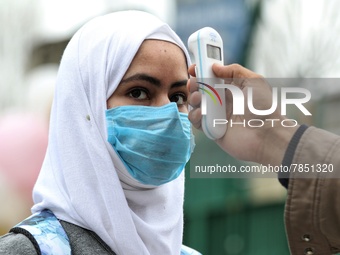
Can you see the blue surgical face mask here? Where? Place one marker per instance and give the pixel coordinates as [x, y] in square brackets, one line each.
[153, 142]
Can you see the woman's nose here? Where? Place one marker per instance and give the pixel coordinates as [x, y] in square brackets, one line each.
[161, 100]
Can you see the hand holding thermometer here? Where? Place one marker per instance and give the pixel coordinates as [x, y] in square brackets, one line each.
[206, 48]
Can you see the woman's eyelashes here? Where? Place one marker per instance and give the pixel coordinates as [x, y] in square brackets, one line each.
[139, 94]
[143, 94]
[179, 98]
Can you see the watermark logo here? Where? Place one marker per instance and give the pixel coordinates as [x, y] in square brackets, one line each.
[211, 92]
[281, 97]
[239, 99]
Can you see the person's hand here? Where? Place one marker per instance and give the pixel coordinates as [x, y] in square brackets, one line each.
[265, 144]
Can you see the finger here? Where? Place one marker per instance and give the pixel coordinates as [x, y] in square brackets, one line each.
[233, 71]
[234, 74]
[229, 103]
[191, 70]
[192, 85]
[195, 117]
[195, 99]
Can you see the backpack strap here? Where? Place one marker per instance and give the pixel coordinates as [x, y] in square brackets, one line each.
[45, 232]
[48, 236]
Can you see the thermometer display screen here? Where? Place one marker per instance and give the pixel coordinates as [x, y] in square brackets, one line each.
[214, 52]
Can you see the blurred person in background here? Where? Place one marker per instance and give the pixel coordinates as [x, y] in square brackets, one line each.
[23, 114]
[23, 143]
[119, 140]
[24, 138]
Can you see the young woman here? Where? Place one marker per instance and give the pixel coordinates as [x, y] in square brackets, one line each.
[119, 140]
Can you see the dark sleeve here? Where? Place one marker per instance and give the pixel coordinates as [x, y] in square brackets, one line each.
[289, 155]
[16, 244]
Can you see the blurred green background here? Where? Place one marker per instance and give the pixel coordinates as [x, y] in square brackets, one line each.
[233, 215]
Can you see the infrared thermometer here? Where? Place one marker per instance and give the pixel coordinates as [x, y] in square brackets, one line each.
[206, 48]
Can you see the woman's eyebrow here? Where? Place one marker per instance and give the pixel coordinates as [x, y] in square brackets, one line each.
[152, 80]
[143, 77]
[179, 83]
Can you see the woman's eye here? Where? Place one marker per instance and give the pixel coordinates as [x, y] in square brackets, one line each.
[138, 94]
[179, 99]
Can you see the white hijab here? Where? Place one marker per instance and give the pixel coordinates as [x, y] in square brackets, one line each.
[81, 178]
